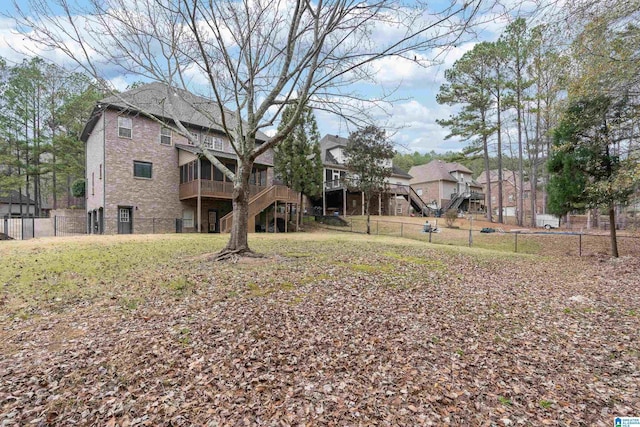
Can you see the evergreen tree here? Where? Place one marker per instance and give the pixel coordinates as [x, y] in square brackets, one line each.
[369, 156]
[469, 84]
[586, 168]
[297, 160]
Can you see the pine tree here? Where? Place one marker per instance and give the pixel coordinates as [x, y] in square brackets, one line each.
[297, 160]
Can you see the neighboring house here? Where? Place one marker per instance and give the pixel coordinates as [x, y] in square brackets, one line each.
[339, 197]
[445, 185]
[142, 177]
[509, 193]
[14, 206]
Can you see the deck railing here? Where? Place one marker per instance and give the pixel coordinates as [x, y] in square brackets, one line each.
[261, 201]
[220, 189]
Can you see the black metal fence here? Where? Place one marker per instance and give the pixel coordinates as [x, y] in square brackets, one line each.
[532, 241]
[144, 225]
[69, 225]
[23, 228]
[31, 227]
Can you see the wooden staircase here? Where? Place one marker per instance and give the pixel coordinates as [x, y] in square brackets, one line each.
[261, 201]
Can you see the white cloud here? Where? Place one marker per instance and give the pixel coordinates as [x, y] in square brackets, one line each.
[119, 83]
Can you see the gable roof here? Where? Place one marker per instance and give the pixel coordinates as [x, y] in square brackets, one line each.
[436, 170]
[13, 197]
[507, 175]
[164, 102]
[329, 142]
[512, 177]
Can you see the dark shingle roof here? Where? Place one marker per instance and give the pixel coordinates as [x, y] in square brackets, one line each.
[165, 103]
[13, 197]
[400, 173]
[327, 143]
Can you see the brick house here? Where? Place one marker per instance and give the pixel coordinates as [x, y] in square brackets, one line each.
[142, 177]
[509, 193]
[338, 197]
[447, 185]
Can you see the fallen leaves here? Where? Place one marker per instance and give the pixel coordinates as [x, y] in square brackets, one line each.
[457, 340]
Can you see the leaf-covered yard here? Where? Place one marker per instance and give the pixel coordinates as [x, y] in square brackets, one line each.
[326, 330]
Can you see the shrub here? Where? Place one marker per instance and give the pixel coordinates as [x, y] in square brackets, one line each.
[450, 217]
[78, 188]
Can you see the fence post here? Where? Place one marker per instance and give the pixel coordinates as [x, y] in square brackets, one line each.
[580, 245]
[351, 225]
[516, 241]
[153, 225]
[55, 225]
[377, 228]
[470, 238]
[401, 228]
[430, 231]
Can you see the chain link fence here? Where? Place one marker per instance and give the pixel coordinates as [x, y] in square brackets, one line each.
[565, 243]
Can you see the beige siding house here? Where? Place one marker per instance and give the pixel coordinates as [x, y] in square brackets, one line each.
[339, 198]
[143, 178]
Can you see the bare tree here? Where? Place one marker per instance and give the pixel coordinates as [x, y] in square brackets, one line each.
[251, 58]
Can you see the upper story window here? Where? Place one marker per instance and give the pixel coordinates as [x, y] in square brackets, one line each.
[165, 136]
[142, 169]
[213, 143]
[125, 127]
[196, 138]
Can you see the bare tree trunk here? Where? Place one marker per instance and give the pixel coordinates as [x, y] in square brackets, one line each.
[238, 240]
[487, 171]
[612, 230]
[500, 189]
[367, 199]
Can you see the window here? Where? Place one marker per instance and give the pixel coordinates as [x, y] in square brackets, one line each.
[213, 143]
[124, 214]
[419, 191]
[196, 138]
[165, 136]
[125, 127]
[100, 171]
[184, 174]
[205, 169]
[92, 184]
[187, 218]
[217, 174]
[142, 169]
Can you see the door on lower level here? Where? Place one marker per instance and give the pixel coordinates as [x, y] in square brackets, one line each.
[125, 220]
[213, 221]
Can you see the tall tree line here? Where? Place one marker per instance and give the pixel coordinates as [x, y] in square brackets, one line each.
[524, 78]
[43, 109]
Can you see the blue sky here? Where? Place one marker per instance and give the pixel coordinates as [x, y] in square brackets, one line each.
[414, 114]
